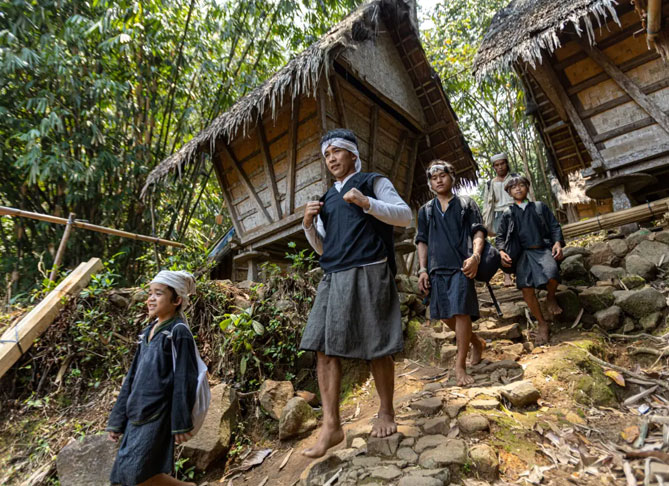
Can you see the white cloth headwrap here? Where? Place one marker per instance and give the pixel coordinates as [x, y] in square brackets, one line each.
[182, 282]
[346, 145]
[496, 157]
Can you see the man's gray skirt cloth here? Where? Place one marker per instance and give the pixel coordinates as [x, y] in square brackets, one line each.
[535, 268]
[356, 314]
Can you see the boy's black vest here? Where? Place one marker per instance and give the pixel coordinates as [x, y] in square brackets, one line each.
[352, 237]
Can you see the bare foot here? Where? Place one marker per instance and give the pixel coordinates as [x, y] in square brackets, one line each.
[384, 425]
[478, 346]
[328, 437]
[553, 306]
[462, 378]
[542, 335]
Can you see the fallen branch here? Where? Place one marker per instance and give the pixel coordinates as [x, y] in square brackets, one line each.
[639, 396]
[662, 456]
[644, 350]
[606, 364]
[641, 335]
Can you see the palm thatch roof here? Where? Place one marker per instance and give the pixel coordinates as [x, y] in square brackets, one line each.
[529, 29]
[302, 75]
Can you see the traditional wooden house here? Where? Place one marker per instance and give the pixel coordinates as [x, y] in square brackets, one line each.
[596, 80]
[370, 74]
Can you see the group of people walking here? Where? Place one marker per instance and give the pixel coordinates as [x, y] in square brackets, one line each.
[356, 312]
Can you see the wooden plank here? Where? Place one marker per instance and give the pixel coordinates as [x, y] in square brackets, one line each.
[339, 101]
[271, 229]
[545, 82]
[637, 156]
[621, 100]
[373, 127]
[413, 160]
[398, 156]
[549, 82]
[292, 155]
[626, 66]
[247, 182]
[19, 338]
[269, 170]
[629, 86]
[326, 176]
[227, 197]
[630, 127]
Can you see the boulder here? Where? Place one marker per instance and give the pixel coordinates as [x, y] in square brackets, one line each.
[407, 454]
[662, 236]
[453, 451]
[628, 325]
[569, 303]
[650, 322]
[573, 268]
[453, 407]
[437, 425]
[386, 472]
[310, 397]
[484, 458]
[637, 265]
[602, 254]
[521, 393]
[447, 352]
[633, 281]
[297, 417]
[568, 251]
[619, 247]
[119, 300]
[654, 252]
[640, 303]
[609, 318]
[484, 404]
[384, 446]
[603, 272]
[472, 423]
[273, 396]
[86, 462]
[509, 332]
[637, 237]
[428, 442]
[325, 466]
[594, 299]
[213, 439]
[429, 406]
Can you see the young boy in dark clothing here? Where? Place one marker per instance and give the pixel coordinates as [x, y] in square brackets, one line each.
[531, 231]
[446, 268]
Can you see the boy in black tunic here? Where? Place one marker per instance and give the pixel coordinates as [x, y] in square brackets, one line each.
[445, 227]
[530, 236]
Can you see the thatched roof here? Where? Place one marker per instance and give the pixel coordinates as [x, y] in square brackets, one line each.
[526, 30]
[302, 74]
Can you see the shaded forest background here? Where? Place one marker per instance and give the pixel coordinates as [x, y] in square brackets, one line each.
[93, 95]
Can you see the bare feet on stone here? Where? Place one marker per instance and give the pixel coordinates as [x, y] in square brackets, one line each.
[553, 306]
[384, 425]
[542, 334]
[462, 378]
[327, 438]
[478, 346]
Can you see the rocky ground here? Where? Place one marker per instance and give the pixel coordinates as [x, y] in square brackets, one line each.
[590, 408]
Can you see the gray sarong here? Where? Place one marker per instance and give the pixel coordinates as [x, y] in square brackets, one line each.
[535, 268]
[356, 314]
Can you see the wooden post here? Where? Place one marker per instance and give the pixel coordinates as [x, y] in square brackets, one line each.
[269, 169]
[373, 126]
[292, 155]
[61, 248]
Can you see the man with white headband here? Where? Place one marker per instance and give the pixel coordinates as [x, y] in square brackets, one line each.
[496, 199]
[356, 313]
[153, 408]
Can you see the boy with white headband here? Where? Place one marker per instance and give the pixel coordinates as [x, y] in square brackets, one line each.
[446, 232]
[356, 313]
[153, 408]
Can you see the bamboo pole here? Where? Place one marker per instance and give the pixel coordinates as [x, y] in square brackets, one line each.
[643, 212]
[61, 248]
[5, 211]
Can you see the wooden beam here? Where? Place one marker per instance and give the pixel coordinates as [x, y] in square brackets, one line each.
[629, 86]
[373, 129]
[413, 160]
[398, 156]
[269, 169]
[19, 338]
[292, 154]
[621, 100]
[634, 157]
[339, 100]
[549, 82]
[227, 197]
[326, 176]
[247, 182]
[543, 79]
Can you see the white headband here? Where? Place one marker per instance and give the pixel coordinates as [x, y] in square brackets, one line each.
[497, 157]
[346, 145]
[436, 168]
[182, 282]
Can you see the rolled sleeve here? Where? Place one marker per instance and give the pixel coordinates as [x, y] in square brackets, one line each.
[315, 235]
[423, 230]
[475, 219]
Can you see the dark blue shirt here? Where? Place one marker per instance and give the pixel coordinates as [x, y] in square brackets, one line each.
[448, 234]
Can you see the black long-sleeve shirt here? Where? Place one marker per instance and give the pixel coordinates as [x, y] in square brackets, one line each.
[535, 226]
[155, 385]
[449, 234]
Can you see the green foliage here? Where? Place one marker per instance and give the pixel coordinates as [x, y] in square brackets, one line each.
[93, 95]
[302, 260]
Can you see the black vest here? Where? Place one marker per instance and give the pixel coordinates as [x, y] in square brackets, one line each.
[352, 237]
